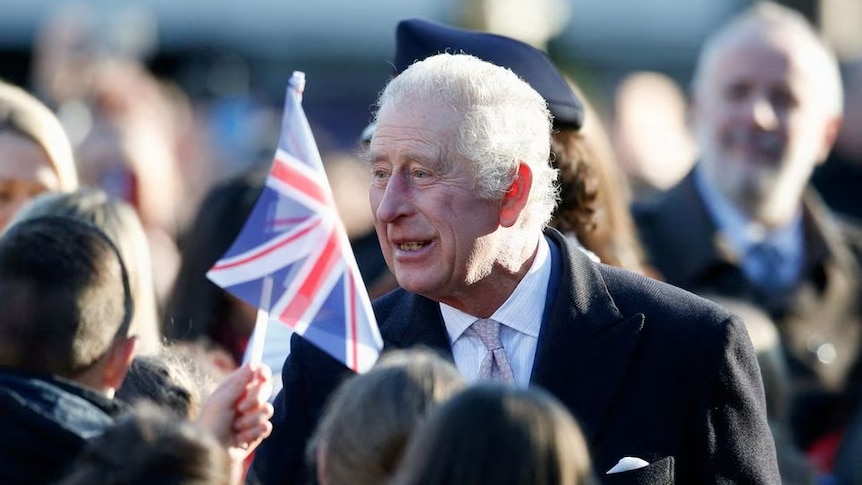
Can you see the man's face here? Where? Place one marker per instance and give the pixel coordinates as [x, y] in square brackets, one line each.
[760, 123]
[437, 235]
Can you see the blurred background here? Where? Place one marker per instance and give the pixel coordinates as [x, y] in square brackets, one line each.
[233, 58]
[162, 99]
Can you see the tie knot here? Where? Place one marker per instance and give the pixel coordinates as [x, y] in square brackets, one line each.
[765, 264]
[488, 332]
[766, 252]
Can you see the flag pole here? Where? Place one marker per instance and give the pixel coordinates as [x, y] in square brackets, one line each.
[261, 322]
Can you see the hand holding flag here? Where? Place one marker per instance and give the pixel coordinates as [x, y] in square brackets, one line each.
[295, 239]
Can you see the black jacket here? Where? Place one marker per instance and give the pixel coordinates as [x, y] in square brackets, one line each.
[46, 423]
[648, 369]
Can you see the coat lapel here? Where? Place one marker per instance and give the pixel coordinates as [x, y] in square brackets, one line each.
[416, 321]
[585, 344]
[698, 245]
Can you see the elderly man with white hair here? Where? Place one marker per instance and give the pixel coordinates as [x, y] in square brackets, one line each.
[664, 383]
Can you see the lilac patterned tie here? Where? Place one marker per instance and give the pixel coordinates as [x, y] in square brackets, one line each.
[495, 366]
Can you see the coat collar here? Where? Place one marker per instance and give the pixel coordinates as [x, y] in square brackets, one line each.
[702, 246]
[584, 347]
[825, 258]
[586, 343]
[415, 321]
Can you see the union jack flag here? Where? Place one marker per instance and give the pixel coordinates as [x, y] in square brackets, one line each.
[295, 237]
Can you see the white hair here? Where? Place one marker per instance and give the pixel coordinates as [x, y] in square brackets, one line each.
[769, 18]
[504, 121]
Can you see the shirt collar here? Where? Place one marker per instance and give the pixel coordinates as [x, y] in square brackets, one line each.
[742, 232]
[522, 311]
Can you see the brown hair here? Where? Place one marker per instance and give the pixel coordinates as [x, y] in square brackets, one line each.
[502, 435]
[151, 445]
[371, 416]
[66, 296]
[119, 221]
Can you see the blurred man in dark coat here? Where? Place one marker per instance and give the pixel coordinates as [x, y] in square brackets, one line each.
[745, 223]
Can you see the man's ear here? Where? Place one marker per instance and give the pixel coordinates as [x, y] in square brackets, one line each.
[515, 199]
[118, 360]
[830, 133]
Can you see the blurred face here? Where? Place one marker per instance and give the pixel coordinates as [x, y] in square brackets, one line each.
[439, 239]
[102, 162]
[760, 123]
[25, 172]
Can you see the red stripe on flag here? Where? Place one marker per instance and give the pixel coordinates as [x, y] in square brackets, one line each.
[351, 287]
[288, 175]
[267, 250]
[322, 267]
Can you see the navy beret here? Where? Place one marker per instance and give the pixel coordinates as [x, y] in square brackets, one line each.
[416, 39]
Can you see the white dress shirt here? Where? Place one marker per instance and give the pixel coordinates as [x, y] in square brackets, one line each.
[521, 319]
[741, 233]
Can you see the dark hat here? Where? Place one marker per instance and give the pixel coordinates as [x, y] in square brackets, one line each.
[416, 39]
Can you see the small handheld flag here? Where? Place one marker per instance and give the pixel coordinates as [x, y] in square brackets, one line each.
[295, 239]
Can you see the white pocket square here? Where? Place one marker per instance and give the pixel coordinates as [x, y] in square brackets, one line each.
[628, 463]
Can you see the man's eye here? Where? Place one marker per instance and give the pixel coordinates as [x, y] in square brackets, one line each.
[737, 92]
[783, 99]
[379, 176]
[421, 174]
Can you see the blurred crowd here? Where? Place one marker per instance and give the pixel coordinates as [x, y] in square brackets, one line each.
[673, 182]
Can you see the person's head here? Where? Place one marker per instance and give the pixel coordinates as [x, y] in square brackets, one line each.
[67, 306]
[461, 184]
[502, 435]
[591, 203]
[371, 416]
[766, 108]
[417, 39]
[151, 445]
[171, 379]
[130, 149]
[197, 309]
[651, 141]
[118, 220]
[35, 153]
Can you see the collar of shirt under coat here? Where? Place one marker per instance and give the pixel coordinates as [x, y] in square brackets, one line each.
[521, 312]
[741, 232]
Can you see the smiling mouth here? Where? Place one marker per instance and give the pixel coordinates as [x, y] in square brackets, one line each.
[411, 246]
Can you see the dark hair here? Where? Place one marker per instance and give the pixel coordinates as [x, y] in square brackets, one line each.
[171, 379]
[501, 435]
[197, 308]
[119, 221]
[65, 295]
[151, 445]
[370, 417]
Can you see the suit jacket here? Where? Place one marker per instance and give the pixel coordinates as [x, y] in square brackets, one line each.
[649, 370]
[819, 321]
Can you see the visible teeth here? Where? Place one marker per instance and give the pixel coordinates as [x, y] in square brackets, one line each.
[410, 246]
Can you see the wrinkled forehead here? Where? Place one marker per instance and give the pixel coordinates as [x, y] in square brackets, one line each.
[801, 58]
[423, 128]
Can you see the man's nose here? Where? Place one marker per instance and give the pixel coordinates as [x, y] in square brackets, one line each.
[763, 114]
[394, 201]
